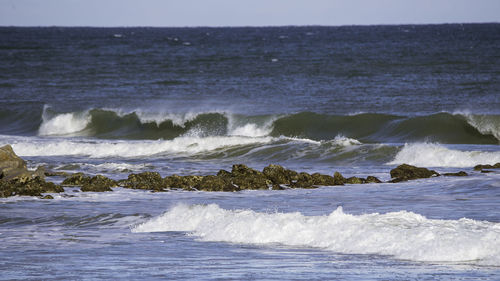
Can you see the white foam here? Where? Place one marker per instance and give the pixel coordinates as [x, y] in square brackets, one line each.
[105, 148]
[436, 155]
[63, 124]
[344, 141]
[404, 235]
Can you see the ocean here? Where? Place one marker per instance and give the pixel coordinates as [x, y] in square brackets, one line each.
[359, 100]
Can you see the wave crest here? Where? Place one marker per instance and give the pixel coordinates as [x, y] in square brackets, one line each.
[404, 235]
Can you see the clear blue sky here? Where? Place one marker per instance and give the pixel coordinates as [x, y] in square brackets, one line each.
[243, 13]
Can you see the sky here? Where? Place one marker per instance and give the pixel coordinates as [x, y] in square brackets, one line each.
[243, 13]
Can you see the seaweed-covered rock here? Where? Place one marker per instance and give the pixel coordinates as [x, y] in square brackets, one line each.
[144, 180]
[339, 179]
[319, 179]
[216, 183]
[407, 172]
[372, 179]
[279, 175]
[99, 183]
[487, 166]
[184, 182]
[27, 186]
[355, 180]
[304, 180]
[248, 178]
[76, 179]
[457, 174]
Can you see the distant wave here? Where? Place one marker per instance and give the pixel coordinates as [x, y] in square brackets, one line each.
[448, 128]
[403, 235]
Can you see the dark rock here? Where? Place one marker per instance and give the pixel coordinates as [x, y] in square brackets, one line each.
[486, 171]
[304, 181]
[77, 179]
[339, 179]
[144, 180]
[216, 183]
[481, 167]
[458, 174]
[407, 172]
[27, 186]
[47, 197]
[279, 175]
[372, 179]
[319, 179]
[355, 180]
[99, 183]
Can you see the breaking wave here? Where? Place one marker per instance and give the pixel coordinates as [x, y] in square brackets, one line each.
[403, 235]
[436, 155]
[457, 128]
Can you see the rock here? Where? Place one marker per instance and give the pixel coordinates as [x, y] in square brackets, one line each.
[248, 178]
[339, 179]
[458, 174]
[355, 180]
[325, 180]
[144, 180]
[279, 175]
[304, 181]
[481, 167]
[486, 171]
[216, 183]
[47, 197]
[99, 183]
[11, 165]
[372, 179]
[224, 174]
[184, 182]
[27, 186]
[277, 187]
[76, 179]
[407, 172]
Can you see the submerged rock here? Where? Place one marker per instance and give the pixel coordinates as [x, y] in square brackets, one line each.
[372, 179]
[458, 174]
[407, 172]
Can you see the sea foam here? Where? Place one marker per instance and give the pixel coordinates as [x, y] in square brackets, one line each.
[404, 235]
[437, 155]
[64, 124]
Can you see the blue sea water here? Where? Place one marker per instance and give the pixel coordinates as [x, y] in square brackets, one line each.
[359, 100]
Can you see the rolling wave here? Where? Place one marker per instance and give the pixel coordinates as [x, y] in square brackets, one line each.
[447, 128]
[403, 235]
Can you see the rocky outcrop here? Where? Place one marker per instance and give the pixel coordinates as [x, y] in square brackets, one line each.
[216, 183]
[12, 166]
[407, 172]
[99, 183]
[279, 175]
[27, 186]
[146, 180]
[76, 179]
[482, 167]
